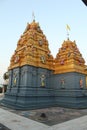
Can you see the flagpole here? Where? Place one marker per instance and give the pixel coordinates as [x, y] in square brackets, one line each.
[33, 16]
[67, 29]
[67, 34]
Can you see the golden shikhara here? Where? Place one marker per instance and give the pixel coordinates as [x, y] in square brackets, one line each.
[32, 49]
[69, 58]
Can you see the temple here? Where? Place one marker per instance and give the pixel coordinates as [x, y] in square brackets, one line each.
[38, 80]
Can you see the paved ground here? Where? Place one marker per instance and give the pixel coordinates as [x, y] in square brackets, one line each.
[50, 116]
[55, 118]
[16, 122]
[2, 127]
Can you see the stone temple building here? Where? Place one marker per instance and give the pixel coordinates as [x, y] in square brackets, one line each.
[37, 80]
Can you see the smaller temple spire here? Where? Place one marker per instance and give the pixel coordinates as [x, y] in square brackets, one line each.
[67, 29]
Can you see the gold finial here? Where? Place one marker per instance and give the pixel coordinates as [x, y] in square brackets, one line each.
[33, 16]
[67, 29]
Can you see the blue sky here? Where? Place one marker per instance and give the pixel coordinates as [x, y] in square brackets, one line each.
[52, 15]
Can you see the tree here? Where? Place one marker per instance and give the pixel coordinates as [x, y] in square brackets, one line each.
[6, 76]
[6, 80]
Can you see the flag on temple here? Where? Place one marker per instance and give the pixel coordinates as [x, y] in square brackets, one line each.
[68, 27]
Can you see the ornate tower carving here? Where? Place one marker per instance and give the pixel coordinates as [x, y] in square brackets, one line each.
[32, 49]
[69, 58]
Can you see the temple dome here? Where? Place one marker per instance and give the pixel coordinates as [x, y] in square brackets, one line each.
[69, 43]
[34, 25]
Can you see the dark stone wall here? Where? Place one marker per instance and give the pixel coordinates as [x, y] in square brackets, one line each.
[31, 88]
[71, 80]
[70, 94]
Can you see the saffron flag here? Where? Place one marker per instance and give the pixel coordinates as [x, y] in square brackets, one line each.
[68, 27]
